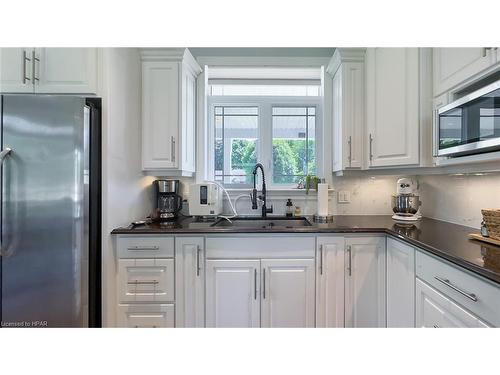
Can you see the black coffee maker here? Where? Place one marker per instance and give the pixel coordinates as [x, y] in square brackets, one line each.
[167, 199]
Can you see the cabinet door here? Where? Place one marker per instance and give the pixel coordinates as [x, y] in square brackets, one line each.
[365, 282]
[189, 282]
[392, 106]
[435, 310]
[400, 284]
[330, 282]
[187, 149]
[348, 116]
[288, 293]
[146, 316]
[16, 74]
[232, 293]
[453, 66]
[66, 70]
[160, 114]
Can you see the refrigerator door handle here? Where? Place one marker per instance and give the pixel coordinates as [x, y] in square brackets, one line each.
[3, 155]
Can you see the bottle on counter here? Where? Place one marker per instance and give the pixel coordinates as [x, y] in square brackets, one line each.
[289, 208]
[297, 211]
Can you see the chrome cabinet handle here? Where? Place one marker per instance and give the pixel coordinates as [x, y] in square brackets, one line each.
[142, 248]
[137, 282]
[264, 283]
[5, 152]
[349, 158]
[172, 148]
[371, 147]
[198, 267]
[34, 60]
[485, 49]
[255, 283]
[321, 260]
[447, 282]
[25, 58]
[349, 267]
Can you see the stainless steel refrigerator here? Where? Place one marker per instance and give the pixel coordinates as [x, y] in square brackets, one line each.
[50, 211]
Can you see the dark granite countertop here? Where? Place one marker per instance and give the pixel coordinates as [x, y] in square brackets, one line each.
[443, 239]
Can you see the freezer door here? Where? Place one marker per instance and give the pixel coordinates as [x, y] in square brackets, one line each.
[44, 209]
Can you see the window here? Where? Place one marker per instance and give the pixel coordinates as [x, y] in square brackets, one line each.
[294, 148]
[273, 121]
[235, 143]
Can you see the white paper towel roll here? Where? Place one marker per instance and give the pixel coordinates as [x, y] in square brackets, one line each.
[322, 199]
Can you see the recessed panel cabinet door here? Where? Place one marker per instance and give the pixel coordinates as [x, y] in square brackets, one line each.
[453, 66]
[232, 293]
[392, 99]
[288, 293]
[434, 310]
[330, 282]
[365, 282]
[189, 282]
[400, 284]
[66, 70]
[160, 114]
[16, 70]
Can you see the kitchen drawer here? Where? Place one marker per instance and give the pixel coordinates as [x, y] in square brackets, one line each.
[145, 247]
[434, 310]
[461, 286]
[146, 316]
[146, 280]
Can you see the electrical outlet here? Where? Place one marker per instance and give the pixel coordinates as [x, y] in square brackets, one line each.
[344, 196]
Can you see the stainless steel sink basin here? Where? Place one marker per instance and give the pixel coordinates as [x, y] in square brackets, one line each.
[260, 223]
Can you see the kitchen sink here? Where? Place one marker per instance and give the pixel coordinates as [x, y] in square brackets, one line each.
[276, 222]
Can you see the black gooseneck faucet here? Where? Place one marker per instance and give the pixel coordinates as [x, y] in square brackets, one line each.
[265, 210]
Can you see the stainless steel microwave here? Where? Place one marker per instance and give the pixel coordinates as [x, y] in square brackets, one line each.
[471, 124]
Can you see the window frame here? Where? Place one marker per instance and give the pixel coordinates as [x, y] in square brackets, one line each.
[265, 131]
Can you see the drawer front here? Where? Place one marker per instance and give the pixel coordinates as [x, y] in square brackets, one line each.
[476, 295]
[434, 310]
[145, 247]
[146, 280]
[146, 316]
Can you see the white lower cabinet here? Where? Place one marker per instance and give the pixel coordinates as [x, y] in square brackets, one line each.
[287, 293]
[146, 316]
[365, 282]
[330, 282]
[400, 284]
[232, 293]
[189, 282]
[434, 310]
[146, 280]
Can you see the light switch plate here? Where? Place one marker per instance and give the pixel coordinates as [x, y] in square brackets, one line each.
[344, 196]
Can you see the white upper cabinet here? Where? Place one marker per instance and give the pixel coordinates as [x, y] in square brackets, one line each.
[330, 282]
[288, 293]
[365, 282]
[348, 106]
[66, 70]
[400, 284]
[453, 66]
[48, 70]
[392, 114]
[16, 70]
[169, 111]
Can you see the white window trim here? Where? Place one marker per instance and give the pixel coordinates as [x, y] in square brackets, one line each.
[264, 143]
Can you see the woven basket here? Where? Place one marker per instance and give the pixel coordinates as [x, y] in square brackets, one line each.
[492, 221]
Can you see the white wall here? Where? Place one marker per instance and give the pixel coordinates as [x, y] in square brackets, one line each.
[126, 196]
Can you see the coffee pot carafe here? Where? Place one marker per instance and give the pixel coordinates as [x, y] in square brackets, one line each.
[167, 199]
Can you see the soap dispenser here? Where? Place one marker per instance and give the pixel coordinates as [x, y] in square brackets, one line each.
[289, 208]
